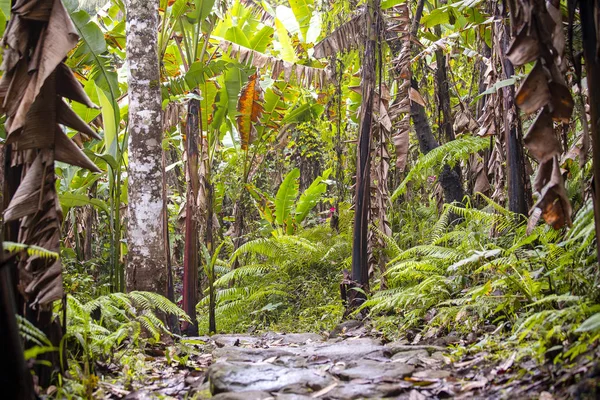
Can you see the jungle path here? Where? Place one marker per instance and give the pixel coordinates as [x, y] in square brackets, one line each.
[307, 366]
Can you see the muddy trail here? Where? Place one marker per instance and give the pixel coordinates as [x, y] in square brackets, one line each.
[348, 366]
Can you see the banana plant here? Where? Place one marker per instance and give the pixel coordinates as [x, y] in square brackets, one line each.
[287, 211]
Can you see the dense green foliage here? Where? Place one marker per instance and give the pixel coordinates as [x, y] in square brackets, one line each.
[280, 186]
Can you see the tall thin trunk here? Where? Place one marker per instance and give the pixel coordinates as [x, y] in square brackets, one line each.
[443, 90]
[449, 179]
[589, 9]
[146, 269]
[15, 378]
[360, 254]
[171, 318]
[519, 193]
[191, 250]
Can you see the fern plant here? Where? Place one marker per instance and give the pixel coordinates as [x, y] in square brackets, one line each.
[489, 269]
[103, 325]
[284, 279]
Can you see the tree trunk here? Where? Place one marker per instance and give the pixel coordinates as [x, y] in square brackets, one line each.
[519, 193]
[172, 319]
[588, 10]
[191, 249]
[449, 179]
[15, 378]
[146, 269]
[360, 254]
[443, 91]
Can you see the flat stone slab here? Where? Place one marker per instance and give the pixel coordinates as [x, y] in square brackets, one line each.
[396, 347]
[350, 391]
[247, 354]
[375, 371]
[346, 350]
[230, 377]
[248, 395]
[234, 340]
[293, 338]
[411, 357]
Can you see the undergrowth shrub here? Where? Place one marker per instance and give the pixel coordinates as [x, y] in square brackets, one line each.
[487, 273]
[284, 282]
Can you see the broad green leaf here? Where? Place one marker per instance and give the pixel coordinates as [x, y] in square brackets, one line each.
[286, 195]
[311, 196]
[236, 35]
[385, 4]
[435, 17]
[314, 31]
[68, 200]
[302, 10]
[110, 123]
[208, 91]
[203, 9]
[262, 39]
[287, 52]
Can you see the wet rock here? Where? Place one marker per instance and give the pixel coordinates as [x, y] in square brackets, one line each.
[433, 374]
[230, 377]
[290, 396]
[234, 340]
[411, 357]
[248, 395]
[375, 371]
[350, 391]
[346, 350]
[249, 354]
[344, 327]
[142, 395]
[293, 338]
[396, 347]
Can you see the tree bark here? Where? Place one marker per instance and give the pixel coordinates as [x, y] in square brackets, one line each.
[146, 269]
[443, 91]
[449, 179]
[360, 254]
[588, 10]
[15, 378]
[519, 193]
[191, 249]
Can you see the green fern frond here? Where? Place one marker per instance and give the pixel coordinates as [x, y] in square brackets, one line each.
[31, 250]
[249, 270]
[447, 154]
[30, 332]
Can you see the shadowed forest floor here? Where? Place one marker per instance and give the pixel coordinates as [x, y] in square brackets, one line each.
[351, 364]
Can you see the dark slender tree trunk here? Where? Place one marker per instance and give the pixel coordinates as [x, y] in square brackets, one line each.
[192, 241]
[519, 192]
[449, 179]
[360, 254]
[15, 378]
[443, 91]
[588, 10]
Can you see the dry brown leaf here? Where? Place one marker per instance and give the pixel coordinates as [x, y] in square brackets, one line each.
[541, 140]
[534, 93]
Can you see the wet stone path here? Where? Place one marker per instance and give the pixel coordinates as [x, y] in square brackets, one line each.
[307, 366]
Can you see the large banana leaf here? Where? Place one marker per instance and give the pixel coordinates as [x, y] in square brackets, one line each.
[287, 52]
[311, 196]
[262, 39]
[303, 12]
[250, 108]
[286, 196]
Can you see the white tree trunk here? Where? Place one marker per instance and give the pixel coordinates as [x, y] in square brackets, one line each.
[146, 269]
